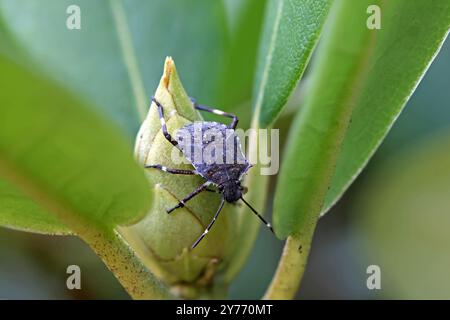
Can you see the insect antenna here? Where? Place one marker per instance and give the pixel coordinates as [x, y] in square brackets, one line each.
[259, 216]
[209, 225]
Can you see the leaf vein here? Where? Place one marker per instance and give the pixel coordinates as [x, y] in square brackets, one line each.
[129, 56]
[265, 75]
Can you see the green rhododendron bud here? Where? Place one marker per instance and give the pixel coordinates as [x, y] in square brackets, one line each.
[164, 240]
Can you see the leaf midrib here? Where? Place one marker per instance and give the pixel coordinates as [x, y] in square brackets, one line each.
[129, 56]
[268, 64]
[38, 193]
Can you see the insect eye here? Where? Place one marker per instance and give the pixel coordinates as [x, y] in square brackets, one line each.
[243, 189]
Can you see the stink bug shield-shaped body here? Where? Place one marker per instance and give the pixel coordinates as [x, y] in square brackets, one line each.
[215, 152]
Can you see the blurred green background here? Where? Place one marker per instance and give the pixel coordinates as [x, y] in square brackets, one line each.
[396, 215]
[399, 222]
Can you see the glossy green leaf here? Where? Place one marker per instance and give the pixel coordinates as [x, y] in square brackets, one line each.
[65, 157]
[291, 31]
[361, 80]
[283, 56]
[18, 211]
[114, 61]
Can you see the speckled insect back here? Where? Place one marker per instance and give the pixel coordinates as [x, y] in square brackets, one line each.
[218, 169]
[226, 163]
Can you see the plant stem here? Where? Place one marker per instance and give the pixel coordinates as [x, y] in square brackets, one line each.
[120, 258]
[291, 267]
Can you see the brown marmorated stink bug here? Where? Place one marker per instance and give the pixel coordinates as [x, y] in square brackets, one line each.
[224, 175]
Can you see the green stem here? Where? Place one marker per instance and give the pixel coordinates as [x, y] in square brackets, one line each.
[291, 268]
[120, 258]
[105, 241]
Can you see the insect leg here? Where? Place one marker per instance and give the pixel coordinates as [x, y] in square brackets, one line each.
[189, 197]
[218, 112]
[173, 171]
[209, 225]
[259, 216]
[163, 123]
